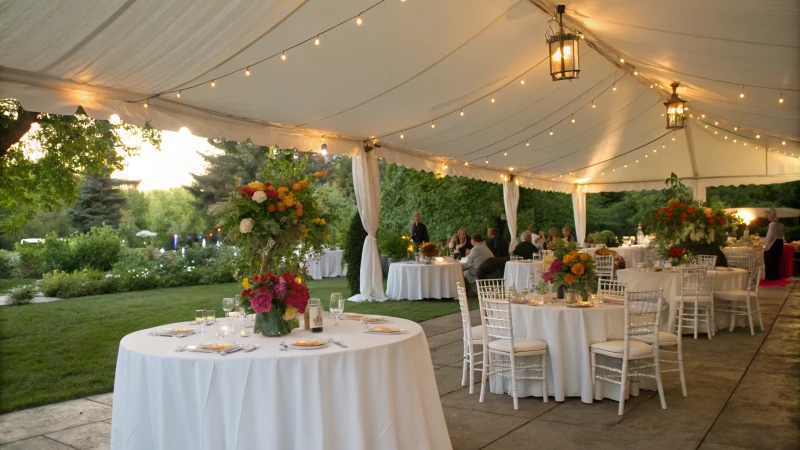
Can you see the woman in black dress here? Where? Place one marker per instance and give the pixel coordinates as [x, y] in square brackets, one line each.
[773, 247]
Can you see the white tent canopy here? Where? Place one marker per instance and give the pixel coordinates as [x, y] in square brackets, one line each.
[404, 75]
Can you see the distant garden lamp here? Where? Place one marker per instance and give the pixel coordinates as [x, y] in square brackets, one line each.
[746, 218]
[676, 109]
[564, 55]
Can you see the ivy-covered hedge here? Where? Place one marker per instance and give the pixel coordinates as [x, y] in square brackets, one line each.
[450, 203]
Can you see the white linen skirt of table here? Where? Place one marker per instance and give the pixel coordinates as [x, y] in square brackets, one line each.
[516, 273]
[410, 281]
[645, 280]
[569, 332]
[379, 393]
[328, 265]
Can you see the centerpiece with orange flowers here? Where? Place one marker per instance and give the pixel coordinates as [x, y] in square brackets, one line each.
[572, 270]
[429, 250]
[276, 224]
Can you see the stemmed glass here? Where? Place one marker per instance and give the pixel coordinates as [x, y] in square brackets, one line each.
[337, 306]
[227, 306]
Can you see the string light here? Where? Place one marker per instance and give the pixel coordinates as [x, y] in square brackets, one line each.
[316, 41]
[213, 83]
[551, 131]
[401, 135]
[614, 88]
[179, 94]
[247, 72]
[528, 143]
[783, 142]
[636, 73]
[505, 152]
[358, 20]
[462, 111]
[780, 100]
[487, 160]
[466, 163]
[593, 105]
[573, 118]
[145, 103]
[758, 136]
[521, 81]
[742, 94]
[433, 124]
[283, 56]
[492, 98]
[622, 60]
[734, 128]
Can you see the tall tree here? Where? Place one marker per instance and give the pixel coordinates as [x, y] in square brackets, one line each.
[45, 170]
[99, 202]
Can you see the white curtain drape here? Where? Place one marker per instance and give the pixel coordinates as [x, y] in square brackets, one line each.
[700, 191]
[367, 185]
[511, 200]
[579, 209]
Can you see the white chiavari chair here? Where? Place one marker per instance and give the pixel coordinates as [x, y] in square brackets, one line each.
[473, 336]
[501, 349]
[740, 302]
[642, 315]
[546, 253]
[610, 291]
[491, 288]
[707, 261]
[604, 266]
[697, 292]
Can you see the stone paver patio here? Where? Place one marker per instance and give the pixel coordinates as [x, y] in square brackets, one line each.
[743, 394]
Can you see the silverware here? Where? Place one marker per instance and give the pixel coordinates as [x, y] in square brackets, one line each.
[181, 348]
[230, 350]
[340, 344]
[252, 347]
[283, 346]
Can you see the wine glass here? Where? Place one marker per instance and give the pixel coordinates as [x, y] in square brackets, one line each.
[227, 306]
[337, 306]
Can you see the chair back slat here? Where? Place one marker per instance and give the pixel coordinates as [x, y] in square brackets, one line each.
[496, 319]
[491, 288]
[642, 312]
[604, 266]
[610, 291]
[708, 261]
[464, 305]
[696, 281]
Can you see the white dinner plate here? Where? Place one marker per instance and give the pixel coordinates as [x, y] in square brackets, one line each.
[397, 331]
[308, 347]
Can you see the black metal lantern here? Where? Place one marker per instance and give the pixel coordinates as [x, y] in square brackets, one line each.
[676, 109]
[564, 55]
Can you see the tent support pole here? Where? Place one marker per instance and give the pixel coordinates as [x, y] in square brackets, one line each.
[690, 146]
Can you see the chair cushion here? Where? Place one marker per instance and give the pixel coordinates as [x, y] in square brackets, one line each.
[520, 345]
[700, 299]
[477, 333]
[731, 295]
[637, 348]
[663, 338]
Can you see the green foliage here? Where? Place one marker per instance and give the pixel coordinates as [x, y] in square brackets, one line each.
[44, 170]
[675, 189]
[99, 202]
[8, 264]
[354, 244]
[22, 295]
[552, 209]
[620, 212]
[43, 223]
[56, 254]
[606, 237]
[169, 212]
[98, 249]
[332, 198]
[393, 245]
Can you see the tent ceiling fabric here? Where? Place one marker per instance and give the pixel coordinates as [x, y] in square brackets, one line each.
[413, 62]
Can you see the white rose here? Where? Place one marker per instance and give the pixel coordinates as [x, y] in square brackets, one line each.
[260, 196]
[246, 225]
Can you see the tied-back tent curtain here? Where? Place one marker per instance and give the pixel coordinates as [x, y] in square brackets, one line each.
[510, 201]
[367, 185]
[579, 210]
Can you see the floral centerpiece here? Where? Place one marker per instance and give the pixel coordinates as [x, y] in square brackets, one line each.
[572, 270]
[277, 224]
[429, 250]
[619, 261]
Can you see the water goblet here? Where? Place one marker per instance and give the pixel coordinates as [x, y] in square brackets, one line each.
[211, 316]
[227, 306]
[200, 318]
[336, 306]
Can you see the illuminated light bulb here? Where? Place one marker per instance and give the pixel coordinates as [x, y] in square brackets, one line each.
[758, 136]
[527, 143]
[716, 123]
[613, 170]
[625, 166]
[651, 86]
[521, 81]
[715, 132]
[179, 94]
[324, 149]
[551, 131]
[636, 73]
[213, 83]
[487, 161]
[492, 98]
[783, 142]
[602, 173]
[622, 60]
[741, 95]
[726, 137]
[654, 150]
[316, 41]
[706, 126]
[745, 143]
[734, 141]
[358, 20]
[593, 105]
[466, 163]
[283, 56]
[704, 116]
[780, 100]
[444, 165]
[462, 111]
[646, 155]
[663, 146]
[505, 152]
[433, 124]
[673, 138]
[145, 103]
[614, 88]
[247, 72]
[511, 169]
[573, 118]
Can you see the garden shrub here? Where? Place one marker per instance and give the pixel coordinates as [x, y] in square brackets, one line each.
[22, 295]
[98, 249]
[30, 262]
[354, 244]
[8, 264]
[393, 245]
[55, 254]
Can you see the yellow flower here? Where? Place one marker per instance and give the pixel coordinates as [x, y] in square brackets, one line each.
[288, 200]
[708, 212]
[283, 189]
[584, 256]
[257, 185]
[281, 195]
[316, 220]
[298, 280]
[281, 207]
[246, 283]
[303, 184]
[322, 221]
[291, 311]
[672, 201]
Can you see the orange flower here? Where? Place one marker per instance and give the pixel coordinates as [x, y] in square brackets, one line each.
[584, 256]
[578, 269]
[567, 259]
[271, 208]
[299, 212]
[303, 184]
[569, 279]
[281, 207]
[296, 187]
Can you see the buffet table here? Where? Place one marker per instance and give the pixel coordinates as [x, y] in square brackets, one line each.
[378, 393]
[414, 281]
[569, 332]
[328, 265]
[670, 281]
[517, 272]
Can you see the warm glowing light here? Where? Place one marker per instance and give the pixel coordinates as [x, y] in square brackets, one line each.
[466, 163]
[213, 83]
[283, 56]
[783, 142]
[716, 123]
[551, 131]
[115, 119]
[462, 111]
[521, 81]
[573, 119]
[247, 72]
[487, 161]
[735, 128]
[527, 143]
[145, 103]
[635, 73]
[745, 216]
[316, 41]
[593, 105]
[511, 169]
[622, 60]
[505, 152]
[614, 88]
[758, 136]
[401, 135]
[492, 99]
[358, 20]
[433, 124]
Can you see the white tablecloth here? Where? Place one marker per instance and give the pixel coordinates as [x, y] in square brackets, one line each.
[568, 332]
[379, 393]
[516, 274]
[410, 281]
[633, 255]
[329, 265]
[644, 280]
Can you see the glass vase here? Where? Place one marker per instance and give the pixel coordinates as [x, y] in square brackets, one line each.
[272, 323]
[571, 297]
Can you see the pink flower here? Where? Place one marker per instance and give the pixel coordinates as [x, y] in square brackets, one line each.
[261, 302]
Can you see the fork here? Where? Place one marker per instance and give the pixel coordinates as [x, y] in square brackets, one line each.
[284, 347]
[340, 344]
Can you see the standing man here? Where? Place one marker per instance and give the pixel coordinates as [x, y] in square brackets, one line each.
[496, 243]
[479, 254]
[418, 230]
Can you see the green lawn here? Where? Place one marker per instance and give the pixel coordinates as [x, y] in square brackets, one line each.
[10, 283]
[57, 351]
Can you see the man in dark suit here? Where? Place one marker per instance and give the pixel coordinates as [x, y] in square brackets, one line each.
[418, 230]
[496, 243]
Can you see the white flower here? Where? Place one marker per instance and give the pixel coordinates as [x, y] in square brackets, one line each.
[246, 225]
[260, 196]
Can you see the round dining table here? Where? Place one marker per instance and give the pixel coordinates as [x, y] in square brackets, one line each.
[670, 281]
[329, 265]
[418, 281]
[632, 254]
[379, 393]
[568, 332]
[517, 273]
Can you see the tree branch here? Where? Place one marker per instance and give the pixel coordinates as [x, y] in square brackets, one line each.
[16, 129]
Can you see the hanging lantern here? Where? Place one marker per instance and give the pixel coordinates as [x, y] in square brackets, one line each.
[564, 61]
[676, 109]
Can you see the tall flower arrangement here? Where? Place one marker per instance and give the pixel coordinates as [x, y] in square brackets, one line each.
[573, 270]
[276, 224]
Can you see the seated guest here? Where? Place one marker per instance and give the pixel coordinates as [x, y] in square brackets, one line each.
[525, 249]
[477, 256]
[567, 232]
[539, 241]
[551, 238]
[460, 243]
[496, 243]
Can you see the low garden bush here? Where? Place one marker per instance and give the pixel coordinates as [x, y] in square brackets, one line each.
[22, 295]
[8, 264]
